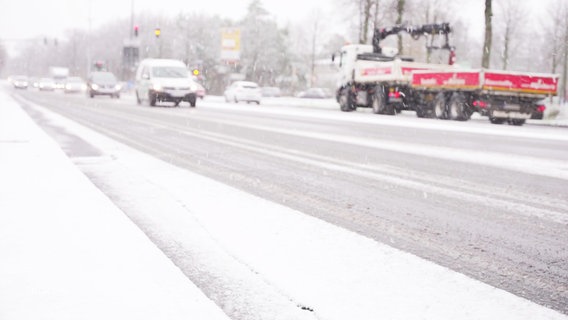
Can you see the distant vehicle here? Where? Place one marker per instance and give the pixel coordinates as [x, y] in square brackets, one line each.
[20, 82]
[315, 93]
[243, 91]
[46, 84]
[270, 92]
[103, 83]
[34, 82]
[59, 75]
[75, 84]
[167, 80]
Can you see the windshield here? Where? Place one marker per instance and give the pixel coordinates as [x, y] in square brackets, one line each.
[169, 72]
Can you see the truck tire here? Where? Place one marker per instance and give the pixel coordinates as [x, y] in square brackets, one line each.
[152, 99]
[517, 122]
[378, 101]
[192, 101]
[441, 106]
[346, 100]
[424, 111]
[458, 109]
[497, 120]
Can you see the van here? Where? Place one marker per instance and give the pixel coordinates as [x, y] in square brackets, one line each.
[164, 80]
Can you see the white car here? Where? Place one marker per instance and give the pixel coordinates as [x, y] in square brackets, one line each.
[168, 80]
[243, 91]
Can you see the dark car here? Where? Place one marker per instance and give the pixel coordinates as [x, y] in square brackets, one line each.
[103, 83]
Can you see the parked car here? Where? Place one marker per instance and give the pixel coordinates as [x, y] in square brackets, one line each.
[164, 80]
[243, 91]
[20, 82]
[315, 93]
[103, 83]
[46, 84]
[270, 92]
[74, 84]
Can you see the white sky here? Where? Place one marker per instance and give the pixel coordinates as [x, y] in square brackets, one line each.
[23, 19]
[29, 18]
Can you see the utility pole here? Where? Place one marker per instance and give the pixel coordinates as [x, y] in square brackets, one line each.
[486, 60]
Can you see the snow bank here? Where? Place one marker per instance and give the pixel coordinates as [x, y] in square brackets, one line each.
[66, 252]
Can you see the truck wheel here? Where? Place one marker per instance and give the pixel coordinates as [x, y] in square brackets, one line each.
[192, 101]
[379, 101]
[458, 108]
[517, 122]
[497, 120]
[424, 111]
[152, 99]
[441, 106]
[345, 100]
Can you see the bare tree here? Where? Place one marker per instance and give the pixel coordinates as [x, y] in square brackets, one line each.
[486, 57]
[511, 16]
[400, 11]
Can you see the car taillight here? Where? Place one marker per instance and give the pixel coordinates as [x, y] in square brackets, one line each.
[479, 103]
[541, 108]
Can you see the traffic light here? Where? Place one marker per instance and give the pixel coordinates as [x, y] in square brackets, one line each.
[136, 31]
[195, 72]
[157, 32]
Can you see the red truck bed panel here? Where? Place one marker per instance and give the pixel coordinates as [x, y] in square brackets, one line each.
[487, 80]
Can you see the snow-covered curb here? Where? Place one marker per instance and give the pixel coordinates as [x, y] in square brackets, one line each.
[66, 251]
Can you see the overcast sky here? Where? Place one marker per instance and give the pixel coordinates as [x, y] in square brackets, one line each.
[29, 18]
[22, 19]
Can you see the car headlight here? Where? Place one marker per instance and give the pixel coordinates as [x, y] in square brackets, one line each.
[95, 86]
[193, 87]
[117, 87]
[157, 87]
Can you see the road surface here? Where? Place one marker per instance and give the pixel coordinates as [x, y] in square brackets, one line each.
[487, 201]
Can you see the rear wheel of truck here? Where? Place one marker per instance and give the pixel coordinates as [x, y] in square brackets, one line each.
[497, 120]
[517, 122]
[441, 106]
[345, 100]
[152, 100]
[458, 109]
[424, 111]
[378, 101]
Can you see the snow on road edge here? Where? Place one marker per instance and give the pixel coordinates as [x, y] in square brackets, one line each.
[337, 273]
[66, 251]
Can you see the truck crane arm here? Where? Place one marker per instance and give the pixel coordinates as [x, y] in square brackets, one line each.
[416, 32]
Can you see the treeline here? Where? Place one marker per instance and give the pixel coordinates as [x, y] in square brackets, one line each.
[287, 55]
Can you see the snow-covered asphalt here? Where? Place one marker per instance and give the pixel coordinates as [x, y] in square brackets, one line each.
[67, 251]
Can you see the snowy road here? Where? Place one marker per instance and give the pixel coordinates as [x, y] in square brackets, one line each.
[488, 201]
